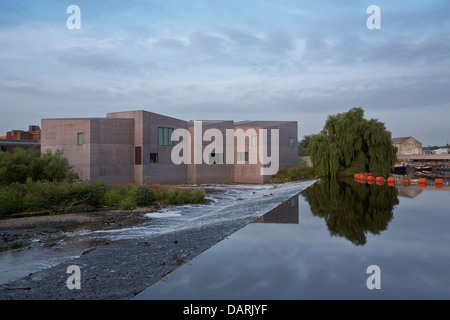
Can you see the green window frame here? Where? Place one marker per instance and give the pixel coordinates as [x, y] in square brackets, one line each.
[80, 138]
[165, 136]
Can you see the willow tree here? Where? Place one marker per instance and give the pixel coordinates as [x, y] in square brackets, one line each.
[352, 210]
[348, 141]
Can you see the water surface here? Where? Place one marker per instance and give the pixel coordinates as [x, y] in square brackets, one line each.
[319, 244]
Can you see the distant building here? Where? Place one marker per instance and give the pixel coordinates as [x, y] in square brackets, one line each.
[33, 133]
[21, 139]
[440, 151]
[407, 146]
[128, 147]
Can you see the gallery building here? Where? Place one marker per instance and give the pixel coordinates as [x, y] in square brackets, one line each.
[133, 146]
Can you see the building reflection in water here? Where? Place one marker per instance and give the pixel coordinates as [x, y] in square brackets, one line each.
[287, 212]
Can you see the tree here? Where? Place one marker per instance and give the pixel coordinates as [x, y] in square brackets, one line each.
[303, 145]
[22, 164]
[352, 210]
[348, 141]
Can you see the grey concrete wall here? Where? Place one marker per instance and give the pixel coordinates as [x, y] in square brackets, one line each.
[248, 173]
[146, 136]
[62, 134]
[288, 156]
[112, 152]
[210, 173]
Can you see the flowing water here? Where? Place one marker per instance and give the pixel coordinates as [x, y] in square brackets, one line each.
[26, 251]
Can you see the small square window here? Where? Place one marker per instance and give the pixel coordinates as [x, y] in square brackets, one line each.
[153, 158]
[292, 142]
[80, 138]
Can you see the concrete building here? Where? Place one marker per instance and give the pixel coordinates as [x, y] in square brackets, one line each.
[407, 146]
[133, 146]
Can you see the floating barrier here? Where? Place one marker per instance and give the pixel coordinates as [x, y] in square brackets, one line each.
[391, 181]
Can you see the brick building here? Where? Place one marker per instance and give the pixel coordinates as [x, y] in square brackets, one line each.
[21, 139]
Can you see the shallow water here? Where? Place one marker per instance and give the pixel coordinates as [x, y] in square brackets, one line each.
[24, 252]
[319, 245]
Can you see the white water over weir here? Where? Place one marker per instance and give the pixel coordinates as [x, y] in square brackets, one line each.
[233, 207]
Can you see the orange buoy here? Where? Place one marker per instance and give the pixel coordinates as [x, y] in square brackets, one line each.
[391, 179]
[406, 182]
[391, 184]
[438, 181]
[422, 181]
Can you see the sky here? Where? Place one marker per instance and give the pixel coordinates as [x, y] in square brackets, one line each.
[299, 60]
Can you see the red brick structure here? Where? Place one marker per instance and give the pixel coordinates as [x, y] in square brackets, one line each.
[21, 139]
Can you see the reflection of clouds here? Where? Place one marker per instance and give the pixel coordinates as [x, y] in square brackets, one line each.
[285, 261]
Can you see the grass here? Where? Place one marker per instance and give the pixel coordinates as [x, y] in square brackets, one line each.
[63, 196]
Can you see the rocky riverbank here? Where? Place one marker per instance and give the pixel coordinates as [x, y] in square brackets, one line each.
[122, 268]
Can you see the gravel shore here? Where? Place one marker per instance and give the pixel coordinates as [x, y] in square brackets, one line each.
[120, 269]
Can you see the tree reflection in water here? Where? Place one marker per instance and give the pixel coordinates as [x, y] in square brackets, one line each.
[352, 209]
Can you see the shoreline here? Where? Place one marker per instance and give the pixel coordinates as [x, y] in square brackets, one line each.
[120, 269]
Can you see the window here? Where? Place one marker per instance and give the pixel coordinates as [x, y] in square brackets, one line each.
[292, 142]
[80, 138]
[153, 158]
[164, 136]
[242, 156]
[137, 155]
[216, 158]
[253, 142]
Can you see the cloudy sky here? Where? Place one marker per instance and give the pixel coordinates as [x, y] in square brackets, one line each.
[229, 59]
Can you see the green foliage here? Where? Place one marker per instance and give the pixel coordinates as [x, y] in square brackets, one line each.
[22, 164]
[351, 209]
[115, 195]
[63, 196]
[144, 195]
[11, 198]
[127, 204]
[350, 141]
[293, 174]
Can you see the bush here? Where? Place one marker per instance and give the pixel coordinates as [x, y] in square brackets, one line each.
[11, 199]
[22, 164]
[144, 195]
[127, 204]
[115, 195]
[197, 196]
[92, 194]
[293, 174]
